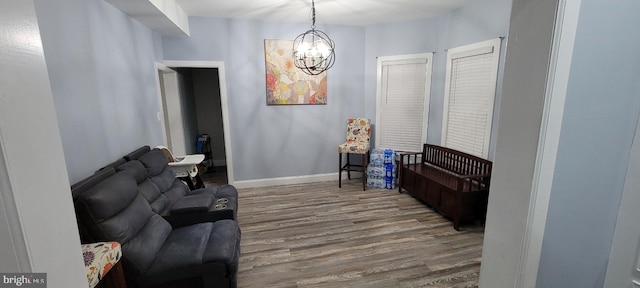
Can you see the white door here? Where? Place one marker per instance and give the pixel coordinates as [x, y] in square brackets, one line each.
[624, 260]
[172, 107]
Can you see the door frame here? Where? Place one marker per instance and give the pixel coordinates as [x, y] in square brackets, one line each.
[557, 81]
[168, 64]
[625, 247]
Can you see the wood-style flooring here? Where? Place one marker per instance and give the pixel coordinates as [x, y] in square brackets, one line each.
[317, 235]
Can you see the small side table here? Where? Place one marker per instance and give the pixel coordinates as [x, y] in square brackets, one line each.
[102, 264]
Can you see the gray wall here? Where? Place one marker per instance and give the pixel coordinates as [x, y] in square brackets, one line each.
[476, 21]
[601, 111]
[277, 141]
[101, 66]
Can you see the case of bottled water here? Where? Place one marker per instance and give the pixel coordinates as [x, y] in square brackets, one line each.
[381, 172]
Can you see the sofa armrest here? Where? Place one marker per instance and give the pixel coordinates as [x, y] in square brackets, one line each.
[192, 204]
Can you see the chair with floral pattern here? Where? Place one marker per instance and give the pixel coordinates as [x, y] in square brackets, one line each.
[358, 138]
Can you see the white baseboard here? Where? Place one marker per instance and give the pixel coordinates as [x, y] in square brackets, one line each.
[285, 180]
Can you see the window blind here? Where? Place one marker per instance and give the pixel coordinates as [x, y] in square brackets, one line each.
[402, 104]
[469, 96]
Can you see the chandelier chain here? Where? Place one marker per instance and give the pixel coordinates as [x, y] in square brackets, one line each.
[313, 15]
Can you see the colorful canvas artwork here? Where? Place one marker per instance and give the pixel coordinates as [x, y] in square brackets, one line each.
[286, 84]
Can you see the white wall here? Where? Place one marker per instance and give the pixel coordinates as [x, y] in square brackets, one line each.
[35, 190]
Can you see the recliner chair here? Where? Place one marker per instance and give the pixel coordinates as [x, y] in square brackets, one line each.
[154, 253]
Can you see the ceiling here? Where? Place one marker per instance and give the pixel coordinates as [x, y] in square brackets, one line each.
[345, 12]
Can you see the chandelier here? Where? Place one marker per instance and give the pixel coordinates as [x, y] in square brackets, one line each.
[313, 51]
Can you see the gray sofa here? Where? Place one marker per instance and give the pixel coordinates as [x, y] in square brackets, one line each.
[170, 236]
[154, 252]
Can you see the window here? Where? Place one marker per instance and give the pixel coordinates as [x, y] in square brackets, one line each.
[470, 89]
[403, 101]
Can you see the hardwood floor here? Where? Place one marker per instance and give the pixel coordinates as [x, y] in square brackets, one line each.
[317, 235]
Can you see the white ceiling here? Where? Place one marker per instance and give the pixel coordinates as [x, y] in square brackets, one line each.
[346, 12]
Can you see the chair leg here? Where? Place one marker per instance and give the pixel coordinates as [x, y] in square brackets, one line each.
[189, 182]
[365, 162]
[199, 183]
[348, 167]
[340, 170]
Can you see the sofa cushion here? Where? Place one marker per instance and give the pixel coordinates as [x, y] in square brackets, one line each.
[82, 186]
[113, 210]
[110, 196]
[159, 203]
[184, 247]
[136, 169]
[159, 172]
[155, 162]
[224, 245]
[141, 251]
[199, 244]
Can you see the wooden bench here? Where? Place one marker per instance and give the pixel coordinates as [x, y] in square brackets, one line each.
[451, 182]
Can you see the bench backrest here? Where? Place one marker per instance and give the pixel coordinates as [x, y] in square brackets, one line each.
[455, 161]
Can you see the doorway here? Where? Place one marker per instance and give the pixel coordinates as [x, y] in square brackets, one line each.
[195, 115]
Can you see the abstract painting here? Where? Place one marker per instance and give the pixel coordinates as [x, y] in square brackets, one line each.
[286, 84]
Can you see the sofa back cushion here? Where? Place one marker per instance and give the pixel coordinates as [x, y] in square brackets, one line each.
[158, 169]
[154, 161]
[113, 210]
[149, 190]
[82, 186]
